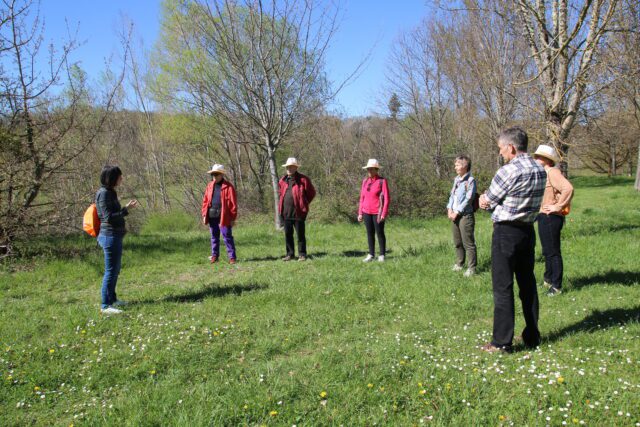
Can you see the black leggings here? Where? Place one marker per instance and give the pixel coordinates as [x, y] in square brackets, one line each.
[372, 225]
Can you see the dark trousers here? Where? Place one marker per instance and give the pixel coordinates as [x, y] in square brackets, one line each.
[374, 227]
[513, 252]
[549, 228]
[289, 225]
[463, 229]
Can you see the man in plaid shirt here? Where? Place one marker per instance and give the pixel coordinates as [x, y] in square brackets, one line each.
[514, 197]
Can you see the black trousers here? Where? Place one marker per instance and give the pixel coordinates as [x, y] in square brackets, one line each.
[289, 225]
[549, 228]
[513, 252]
[373, 228]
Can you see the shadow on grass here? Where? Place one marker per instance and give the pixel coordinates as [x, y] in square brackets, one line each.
[597, 228]
[596, 321]
[358, 254]
[209, 291]
[312, 255]
[611, 277]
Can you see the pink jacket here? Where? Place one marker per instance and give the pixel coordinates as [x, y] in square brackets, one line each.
[374, 189]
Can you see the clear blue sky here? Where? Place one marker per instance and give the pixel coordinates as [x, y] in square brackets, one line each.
[366, 27]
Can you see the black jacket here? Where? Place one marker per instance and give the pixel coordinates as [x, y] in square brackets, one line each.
[110, 212]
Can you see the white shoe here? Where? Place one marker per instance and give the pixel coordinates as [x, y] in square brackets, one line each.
[369, 258]
[210, 257]
[469, 272]
[110, 310]
[381, 258]
[120, 303]
[456, 267]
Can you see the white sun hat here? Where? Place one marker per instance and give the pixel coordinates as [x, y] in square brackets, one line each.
[291, 161]
[372, 163]
[548, 152]
[217, 168]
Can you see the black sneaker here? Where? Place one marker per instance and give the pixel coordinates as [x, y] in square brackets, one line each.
[553, 291]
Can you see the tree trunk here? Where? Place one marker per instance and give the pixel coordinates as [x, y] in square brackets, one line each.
[273, 170]
[637, 186]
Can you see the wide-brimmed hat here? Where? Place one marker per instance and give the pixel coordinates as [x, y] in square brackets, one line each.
[372, 163]
[548, 152]
[217, 169]
[291, 161]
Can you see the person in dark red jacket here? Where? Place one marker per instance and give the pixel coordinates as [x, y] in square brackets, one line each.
[374, 208]
[296, 193]
[219, 210]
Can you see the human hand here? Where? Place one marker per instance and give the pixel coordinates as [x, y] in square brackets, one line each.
[484, 202]
[380, 219]
[359, 218]
[549, 209]
[204, 220]
[132, 204]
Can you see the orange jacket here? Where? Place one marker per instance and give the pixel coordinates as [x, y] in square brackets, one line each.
[228, 200]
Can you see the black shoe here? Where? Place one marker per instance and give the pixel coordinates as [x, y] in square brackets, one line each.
[553, 291]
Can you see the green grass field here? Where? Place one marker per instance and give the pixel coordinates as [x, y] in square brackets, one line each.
[331, 341]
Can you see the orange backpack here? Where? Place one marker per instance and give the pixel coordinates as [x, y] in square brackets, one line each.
[90, 221]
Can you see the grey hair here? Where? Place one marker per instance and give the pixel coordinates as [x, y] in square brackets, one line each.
[515, 136]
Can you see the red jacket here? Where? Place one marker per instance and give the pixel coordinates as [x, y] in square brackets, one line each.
[370, 201]
[228, 200]
[303, 194]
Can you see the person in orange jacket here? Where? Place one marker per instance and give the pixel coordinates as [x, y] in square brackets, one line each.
[220, 210]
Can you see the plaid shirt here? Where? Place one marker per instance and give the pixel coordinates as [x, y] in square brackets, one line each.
[516, 191]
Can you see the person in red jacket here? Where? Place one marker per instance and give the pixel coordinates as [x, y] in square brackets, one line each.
[219, 210]
[296, 193]
[374, 208]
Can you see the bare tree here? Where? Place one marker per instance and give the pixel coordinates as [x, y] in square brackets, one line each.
[564, 37]
[255, 67]
[41, 130]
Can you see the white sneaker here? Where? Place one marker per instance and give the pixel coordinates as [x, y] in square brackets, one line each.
[456, 267]
[381, 258]
[110, 310]
[369, 258]
[469, 272]
[120, 303]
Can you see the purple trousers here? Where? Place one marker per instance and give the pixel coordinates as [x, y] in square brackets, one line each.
[227, 236]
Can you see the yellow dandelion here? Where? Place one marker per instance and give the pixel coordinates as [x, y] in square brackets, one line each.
[560, 380]
[423, 392]
[575, 420]
[273, 413]
[36, 388]
[448, 386]
[323, 394]
[381, 388]
[245, 407]
[419, 384]
[83, 331]
[502, 418]
[51, 350]
[216, 333]
[370, 385]
[152, 372]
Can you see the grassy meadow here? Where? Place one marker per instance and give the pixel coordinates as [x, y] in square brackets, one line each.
[331, 341]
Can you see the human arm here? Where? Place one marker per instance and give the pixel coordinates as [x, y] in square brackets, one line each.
[563, 186]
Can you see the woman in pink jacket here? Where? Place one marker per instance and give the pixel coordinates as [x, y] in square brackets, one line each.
[374, 207]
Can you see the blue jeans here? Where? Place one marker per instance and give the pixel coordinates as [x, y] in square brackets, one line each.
[112, 247]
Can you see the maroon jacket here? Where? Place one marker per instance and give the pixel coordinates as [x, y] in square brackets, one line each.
[303, 194]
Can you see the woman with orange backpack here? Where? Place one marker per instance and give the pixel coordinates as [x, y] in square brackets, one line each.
[112, 231]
